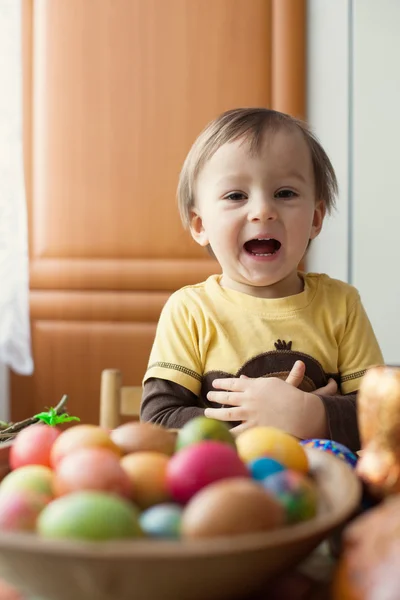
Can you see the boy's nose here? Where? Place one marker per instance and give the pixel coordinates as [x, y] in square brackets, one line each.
[262, 210]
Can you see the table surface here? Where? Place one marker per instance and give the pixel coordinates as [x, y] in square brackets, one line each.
[311, 580]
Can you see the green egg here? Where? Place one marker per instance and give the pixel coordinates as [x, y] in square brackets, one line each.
[89, 515]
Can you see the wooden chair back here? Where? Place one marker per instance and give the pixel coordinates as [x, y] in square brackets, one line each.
[117, 400]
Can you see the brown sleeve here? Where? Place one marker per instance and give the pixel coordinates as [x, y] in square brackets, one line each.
[341, 417]
[169, 404]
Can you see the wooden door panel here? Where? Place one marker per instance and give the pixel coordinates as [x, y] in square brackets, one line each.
[122, 88]
[75, 335]
[72, 355]
[116, 274]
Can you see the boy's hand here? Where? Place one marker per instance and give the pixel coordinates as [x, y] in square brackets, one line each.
[271, 401]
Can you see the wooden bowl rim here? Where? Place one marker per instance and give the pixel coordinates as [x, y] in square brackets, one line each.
[156, 549]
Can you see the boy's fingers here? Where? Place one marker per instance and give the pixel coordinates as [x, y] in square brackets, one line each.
[330, 389]
[296, 375]
[231, 384]
[231, 398]
[223, 414]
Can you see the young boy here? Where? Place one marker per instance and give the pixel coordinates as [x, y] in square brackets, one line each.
[263, 343]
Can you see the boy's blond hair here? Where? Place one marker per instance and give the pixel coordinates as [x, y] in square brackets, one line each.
[251, 123]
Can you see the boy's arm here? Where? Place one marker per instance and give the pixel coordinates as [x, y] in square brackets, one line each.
[172, 382]
[168, 404]
[172, 405]
[358, 350]
[341, 419]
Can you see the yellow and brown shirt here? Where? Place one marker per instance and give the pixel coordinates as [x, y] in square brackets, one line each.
[207, 331]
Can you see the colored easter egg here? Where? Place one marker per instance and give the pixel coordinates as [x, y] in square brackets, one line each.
[32, 478]
[32, 445]
[263, 467]
[147, 472]
[91, 469]
[19, 509]
[199, 465]
[332, 447]
[296, 492]
[275, 443]
[80, 436]
[231, 507]
[89, 515]
[136, 436]
[162, 521]
[202, 428]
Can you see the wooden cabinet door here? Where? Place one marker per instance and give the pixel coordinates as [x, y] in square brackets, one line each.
[115, 92]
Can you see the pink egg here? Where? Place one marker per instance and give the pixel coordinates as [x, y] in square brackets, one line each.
[196, 466]
[32, 445]
[91, 469]
[19, 509]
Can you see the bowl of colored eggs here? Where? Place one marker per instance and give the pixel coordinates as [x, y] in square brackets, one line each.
[148, 513]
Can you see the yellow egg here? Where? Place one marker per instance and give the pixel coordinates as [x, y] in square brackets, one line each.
[270, 441]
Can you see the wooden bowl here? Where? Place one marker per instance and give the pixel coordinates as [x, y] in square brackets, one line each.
[215, 569]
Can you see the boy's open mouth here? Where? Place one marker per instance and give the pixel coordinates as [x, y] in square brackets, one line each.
[262, 247]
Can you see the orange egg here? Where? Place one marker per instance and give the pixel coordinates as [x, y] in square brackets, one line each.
[147, 473]
[95, 469]
[81, 436]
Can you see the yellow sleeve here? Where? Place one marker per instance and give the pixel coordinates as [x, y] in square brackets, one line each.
[358, 349]
[175, 355]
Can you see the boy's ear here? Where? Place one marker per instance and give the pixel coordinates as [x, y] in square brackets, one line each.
[318, 219]
[196, 228]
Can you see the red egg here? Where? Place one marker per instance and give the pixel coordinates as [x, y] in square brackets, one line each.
[196, 466]
[32, 446]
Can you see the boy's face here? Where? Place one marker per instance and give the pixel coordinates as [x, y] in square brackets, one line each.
[258, 212]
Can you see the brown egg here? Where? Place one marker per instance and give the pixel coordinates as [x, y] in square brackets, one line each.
[143, 437]
[231, 507]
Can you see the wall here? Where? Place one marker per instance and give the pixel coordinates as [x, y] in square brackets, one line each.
[376, 131]
[329, 114]
[354, 95]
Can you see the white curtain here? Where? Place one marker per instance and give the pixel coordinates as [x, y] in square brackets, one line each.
[15, 343]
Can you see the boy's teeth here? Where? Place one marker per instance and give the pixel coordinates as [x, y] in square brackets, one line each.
[262, 246]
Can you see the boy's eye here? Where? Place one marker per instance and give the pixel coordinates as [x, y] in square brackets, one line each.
[285, 194]
[235, 196]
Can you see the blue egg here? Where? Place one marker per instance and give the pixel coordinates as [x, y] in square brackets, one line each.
[332, 447]
[162, 521]
[263, 467]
